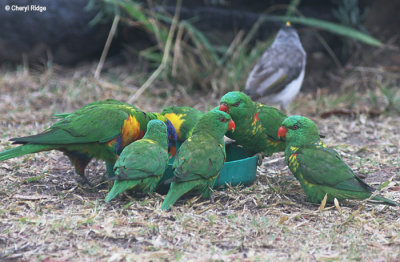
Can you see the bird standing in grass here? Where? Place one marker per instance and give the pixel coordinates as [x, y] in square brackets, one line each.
[142, 163]
[320, 169]
[183, 118]
[200, 158]
[98, 131]
[256, 124]
[278, 75]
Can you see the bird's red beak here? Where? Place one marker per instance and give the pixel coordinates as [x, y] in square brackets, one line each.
[231, 126]
[282, 132]
[172, 151]
[224, 107]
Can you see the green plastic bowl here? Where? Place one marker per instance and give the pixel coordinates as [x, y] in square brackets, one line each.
[239, 168]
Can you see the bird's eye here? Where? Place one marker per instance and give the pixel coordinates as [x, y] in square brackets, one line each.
[222, 119]
[294, 127]
[236, 104]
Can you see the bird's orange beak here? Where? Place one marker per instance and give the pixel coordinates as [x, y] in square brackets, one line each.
[231, 126]
[282, 132]
[224, 107]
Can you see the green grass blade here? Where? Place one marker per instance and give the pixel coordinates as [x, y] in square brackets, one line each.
[328, 26]
[199, 37]
[135, 11]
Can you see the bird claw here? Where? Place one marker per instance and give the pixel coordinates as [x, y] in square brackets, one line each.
[84, 181]
[260, 157]
[229, 141]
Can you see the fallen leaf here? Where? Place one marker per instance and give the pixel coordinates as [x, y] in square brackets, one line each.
[336, 202]
[282, 220]
[323, 203]
[34, 197]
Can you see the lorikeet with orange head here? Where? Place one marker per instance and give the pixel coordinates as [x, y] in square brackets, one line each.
[183, 118]
[98, 131]
[142, 163]
[320, 169]
[256, 124]
[200, 158]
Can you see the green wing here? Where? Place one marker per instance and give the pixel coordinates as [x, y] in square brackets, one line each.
[94, 124]
[271, 119]
[198, 158]
[324, 166]
[96, 103]
[141, 159]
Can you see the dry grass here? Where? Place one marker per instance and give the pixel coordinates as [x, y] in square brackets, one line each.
[46, 216]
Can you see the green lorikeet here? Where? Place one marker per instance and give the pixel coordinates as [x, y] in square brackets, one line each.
[320, 169]
[183, 118]
[256, 124]
[99, 131]
[200, 158]
[95, 103]
[142, 163]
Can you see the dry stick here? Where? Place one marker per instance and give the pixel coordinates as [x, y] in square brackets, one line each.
[106, 47]
[177, 51]
[165, 58]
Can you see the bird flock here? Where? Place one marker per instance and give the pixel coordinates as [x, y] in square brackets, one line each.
[136, 145]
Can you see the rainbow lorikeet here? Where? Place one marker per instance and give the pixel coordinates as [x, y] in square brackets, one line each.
[320, 169]
[183, 118]
[99, 131]
[256, 124]
[200, 158]
[143, 162]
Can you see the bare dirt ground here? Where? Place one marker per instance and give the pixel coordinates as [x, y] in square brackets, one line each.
[45, 215]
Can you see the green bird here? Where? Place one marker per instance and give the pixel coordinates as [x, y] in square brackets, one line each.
[95, 103]
[256, 124]
[200, 158]
[320, 169]
[183, 118]
[100, 131]
[142, 163]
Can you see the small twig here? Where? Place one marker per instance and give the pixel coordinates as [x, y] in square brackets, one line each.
[177, 51]
[165, 58]
[106, 47]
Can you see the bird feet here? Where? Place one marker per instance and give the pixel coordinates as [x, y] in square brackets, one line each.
[82, 180]
[260, 157]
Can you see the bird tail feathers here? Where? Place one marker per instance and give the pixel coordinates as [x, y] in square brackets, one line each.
[177, 190]
[22, 150]
[119, 187]
[385, 201]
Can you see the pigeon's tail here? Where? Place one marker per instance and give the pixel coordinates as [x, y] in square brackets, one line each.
[177, 190]
[22, 150]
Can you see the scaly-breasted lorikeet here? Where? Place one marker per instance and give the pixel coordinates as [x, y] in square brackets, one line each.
[183, 118]
[256, 124]
[320, 169]
[99, 131]
[200, 158]
[143, 162]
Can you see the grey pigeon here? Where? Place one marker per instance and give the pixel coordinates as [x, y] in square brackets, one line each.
[278, 75]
